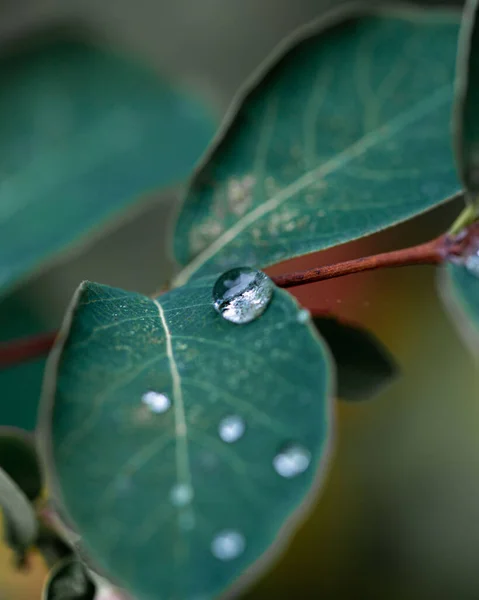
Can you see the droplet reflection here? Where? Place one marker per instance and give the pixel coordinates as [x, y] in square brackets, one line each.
[242, 295]
[231, 428]
[181, 494]
[228, 544]
[158, 403]
[292, 460]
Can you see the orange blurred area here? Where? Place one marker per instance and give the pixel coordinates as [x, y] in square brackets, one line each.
[21, 584]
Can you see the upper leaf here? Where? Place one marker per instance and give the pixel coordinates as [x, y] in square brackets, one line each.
[460, 288]
[347, 133]
[84, 132]
[364, 366]
[161, 426]
[466, 116]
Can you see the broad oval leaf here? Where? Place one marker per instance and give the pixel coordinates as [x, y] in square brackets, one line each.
[161, 425]
[347, 133]
[466, 116]
[18, 458]
[69, 580]
[460, 291]
[85, 134]
[363, 365]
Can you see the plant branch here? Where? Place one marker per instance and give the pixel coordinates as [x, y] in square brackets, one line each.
[27, 348]
[434, 252]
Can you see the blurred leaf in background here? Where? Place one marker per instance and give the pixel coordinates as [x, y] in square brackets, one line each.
[85, 134]
[20, 385]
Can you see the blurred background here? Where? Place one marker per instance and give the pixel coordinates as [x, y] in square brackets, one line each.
[399, 515]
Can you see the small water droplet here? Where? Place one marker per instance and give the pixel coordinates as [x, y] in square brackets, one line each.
[181, 494]
[242, 294]
[231, 428]
[292, 460]
[158, 403]
[228, 544]
[472, 263]
[303, 316]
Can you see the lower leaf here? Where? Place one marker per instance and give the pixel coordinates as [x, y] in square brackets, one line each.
[180, 444]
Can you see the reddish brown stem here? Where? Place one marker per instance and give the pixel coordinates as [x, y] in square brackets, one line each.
[23, 349]
[434, 252]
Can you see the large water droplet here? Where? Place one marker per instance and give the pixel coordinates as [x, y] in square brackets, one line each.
[158, 403]
[242, 295]
[472, 263]
[231, 428]
[181, 494]
[292, 460]
[228, 544]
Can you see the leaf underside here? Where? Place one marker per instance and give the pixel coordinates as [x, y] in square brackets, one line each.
[84, 133]
[460, 290]
[346, 134]
[116, 464]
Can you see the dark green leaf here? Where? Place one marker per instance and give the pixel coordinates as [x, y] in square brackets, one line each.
[19, 522]
[151, 492]
[347, 133]
[363, 365]
[466, 116]
[18, 458]
[460, 290]
[20, 385]
[84, 133]
[69, 580]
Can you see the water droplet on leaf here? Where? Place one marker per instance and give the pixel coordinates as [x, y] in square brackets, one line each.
[472, 263]
[181, 494]
[231, 428]
[303, 316]
[228, 544]
[242, 294]
[292, 460]
[158, 403]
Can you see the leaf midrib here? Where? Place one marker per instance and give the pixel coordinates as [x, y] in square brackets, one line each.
[183, 469]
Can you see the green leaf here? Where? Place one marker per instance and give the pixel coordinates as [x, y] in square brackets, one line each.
[363, 365]
[346, 133]
[20, 385]
[151, 493]
[69, 580]
[466, 116]
[84, 134]
[18, 459]
[460, 291]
